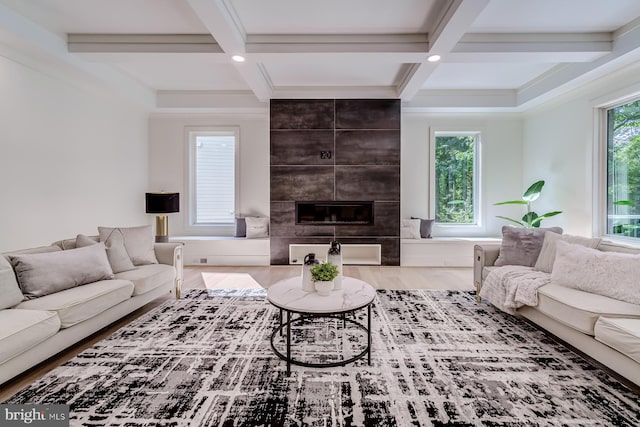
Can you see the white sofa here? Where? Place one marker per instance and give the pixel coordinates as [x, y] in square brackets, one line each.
[604, 328]
[32, 330]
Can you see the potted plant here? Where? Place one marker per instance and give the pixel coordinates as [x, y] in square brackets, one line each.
[530, 219]
[322, 275]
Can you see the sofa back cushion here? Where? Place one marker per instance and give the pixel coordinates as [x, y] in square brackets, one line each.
[10, 294]
[607, 246]
[42, 274]
[521, 246]
[611, 274]
[76, 242]
[548, 252]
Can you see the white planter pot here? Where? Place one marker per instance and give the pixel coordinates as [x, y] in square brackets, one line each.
[324, 288]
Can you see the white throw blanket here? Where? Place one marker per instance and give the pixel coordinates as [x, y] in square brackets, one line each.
[512, 286]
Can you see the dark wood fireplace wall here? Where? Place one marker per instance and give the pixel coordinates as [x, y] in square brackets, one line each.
[341, 150]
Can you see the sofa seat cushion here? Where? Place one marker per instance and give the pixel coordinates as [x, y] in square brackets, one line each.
[21, 330]
[621, 334]
[148, 277]
[580, 310]
[80, 303]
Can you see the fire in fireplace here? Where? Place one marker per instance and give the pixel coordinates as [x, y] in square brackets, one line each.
[334, 213]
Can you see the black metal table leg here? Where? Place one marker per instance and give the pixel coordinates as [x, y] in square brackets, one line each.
[280, 322]
[369, 332]
[288, 342]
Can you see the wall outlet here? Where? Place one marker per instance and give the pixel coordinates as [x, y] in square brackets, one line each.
[203, 260]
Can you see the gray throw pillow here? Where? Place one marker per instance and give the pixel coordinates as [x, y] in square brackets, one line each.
[426, 226]
[46, 273]
[116, 252]
[138, 244]
[521, 246]
[548, 253]
[241, 227]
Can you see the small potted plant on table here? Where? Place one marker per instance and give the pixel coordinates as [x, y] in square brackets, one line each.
[323, 275]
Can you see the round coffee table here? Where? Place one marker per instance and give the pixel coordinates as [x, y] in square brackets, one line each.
[289, 297]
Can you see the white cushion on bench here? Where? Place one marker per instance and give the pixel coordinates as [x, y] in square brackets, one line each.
[580, 310]
[83, 302]
[621, 334]
[21, 330]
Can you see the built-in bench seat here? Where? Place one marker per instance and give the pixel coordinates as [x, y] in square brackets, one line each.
[224, 250]
[441, 251]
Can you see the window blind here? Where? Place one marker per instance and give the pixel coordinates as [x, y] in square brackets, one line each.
[214, 179]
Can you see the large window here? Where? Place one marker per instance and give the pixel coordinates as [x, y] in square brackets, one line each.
[455, 177]
[623, 170]
[213, 177]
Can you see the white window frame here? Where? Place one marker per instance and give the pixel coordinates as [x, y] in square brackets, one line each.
[450, 228]
[600, 154]
[191, 133]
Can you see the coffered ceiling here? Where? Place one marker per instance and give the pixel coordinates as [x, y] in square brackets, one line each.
[495, 54]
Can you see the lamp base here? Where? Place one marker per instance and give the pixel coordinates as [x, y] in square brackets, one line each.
[162, 229]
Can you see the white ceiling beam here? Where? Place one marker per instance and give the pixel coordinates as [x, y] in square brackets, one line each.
[333, 92]
[143, 43]
[220, 19]
[456, 18]
[224, 25]
[338, 43]
[564, 47]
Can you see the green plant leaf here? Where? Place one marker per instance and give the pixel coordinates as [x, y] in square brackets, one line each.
[529, 219]
[520, 223]
[511, 202]
[547, 215]
[623, 203]
[533, 192]
[325, 271]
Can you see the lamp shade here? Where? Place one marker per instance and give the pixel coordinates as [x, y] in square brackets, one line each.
[162, 203]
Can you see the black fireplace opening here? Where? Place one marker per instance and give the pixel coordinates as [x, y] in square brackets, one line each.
[334, 213]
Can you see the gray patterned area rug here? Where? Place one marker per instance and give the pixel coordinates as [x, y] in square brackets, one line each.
[439, 358]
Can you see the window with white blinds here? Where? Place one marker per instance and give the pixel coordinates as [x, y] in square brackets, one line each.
[213, 177]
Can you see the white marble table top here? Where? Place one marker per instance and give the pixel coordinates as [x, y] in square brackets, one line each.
[288, 295]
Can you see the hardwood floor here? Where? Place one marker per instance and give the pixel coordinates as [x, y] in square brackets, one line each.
[378, 277]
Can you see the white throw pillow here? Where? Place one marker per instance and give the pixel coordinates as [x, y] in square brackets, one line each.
[257, 227]
[410, 229]
[610, 274]
[548, 252]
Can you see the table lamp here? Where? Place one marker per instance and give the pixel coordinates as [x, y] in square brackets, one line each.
[162, 204]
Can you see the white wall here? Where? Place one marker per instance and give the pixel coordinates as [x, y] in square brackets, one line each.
[559, 142]
[501, 166]
[70, 159]
[168, 162]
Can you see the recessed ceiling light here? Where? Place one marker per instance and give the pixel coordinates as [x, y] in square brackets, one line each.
[433, 58]
[238, 58]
